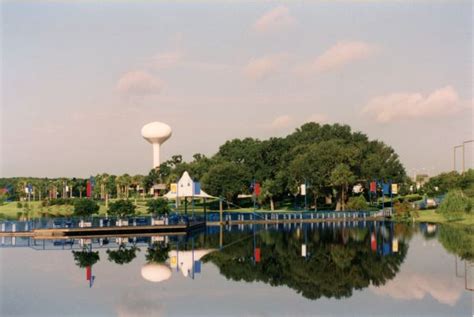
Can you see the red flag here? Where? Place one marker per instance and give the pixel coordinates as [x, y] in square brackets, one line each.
[257, 189]
[88, 273]
[373, 187]
[257, 255]
[88, 189]
[373, 242]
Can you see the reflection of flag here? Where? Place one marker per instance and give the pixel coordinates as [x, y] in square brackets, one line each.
[197, 266]
[303, 250]
[394, 189]
[303, 190]
[373, 187]
[174, 261]
[373, 242]
[395, 245]
[88, 273]
[257, 255]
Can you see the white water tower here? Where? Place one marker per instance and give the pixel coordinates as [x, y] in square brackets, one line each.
[156, 133]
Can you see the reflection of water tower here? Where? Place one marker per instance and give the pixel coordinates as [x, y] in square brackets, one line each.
[156, 133]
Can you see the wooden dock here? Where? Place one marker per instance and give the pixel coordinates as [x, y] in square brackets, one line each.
[55, 233]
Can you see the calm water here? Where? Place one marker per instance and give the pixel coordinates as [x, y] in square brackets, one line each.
[377, 269]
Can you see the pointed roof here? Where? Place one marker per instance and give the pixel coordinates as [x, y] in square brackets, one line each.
[186, 188]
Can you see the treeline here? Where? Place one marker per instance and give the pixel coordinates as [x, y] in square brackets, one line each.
[329, 159]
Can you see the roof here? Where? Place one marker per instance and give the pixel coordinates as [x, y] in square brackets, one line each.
[186, 187]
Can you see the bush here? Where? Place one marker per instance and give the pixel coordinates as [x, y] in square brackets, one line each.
[357, 203]
[404, 211]
[85, 207]
[158, 206]
[19, 205]
[454, 205]
[122, 208]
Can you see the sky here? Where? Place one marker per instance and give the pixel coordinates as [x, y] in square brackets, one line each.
[80, 78]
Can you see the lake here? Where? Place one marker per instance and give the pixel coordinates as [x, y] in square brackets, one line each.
[373, 268]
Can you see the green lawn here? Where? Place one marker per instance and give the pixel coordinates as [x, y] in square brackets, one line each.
[433, 216]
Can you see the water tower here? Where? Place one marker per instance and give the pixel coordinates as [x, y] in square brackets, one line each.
[156, 133]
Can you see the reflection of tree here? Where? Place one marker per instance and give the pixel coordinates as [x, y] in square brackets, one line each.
[157, 253]
[332, 269]
[458, 240]
[85, 257]
[123, 255]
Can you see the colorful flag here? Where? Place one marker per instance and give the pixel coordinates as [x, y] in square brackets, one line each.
[373, 242]
[197, 188]
[303, 190]
[174, 188]
[386, 188]
[373, 187]
[395, 189]
[88, 189]
[257, 255]
[257, 189]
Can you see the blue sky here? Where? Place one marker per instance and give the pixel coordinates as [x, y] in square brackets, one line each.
[80, 78]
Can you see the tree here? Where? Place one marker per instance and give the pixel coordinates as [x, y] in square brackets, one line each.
[357, 203]
[158, 206]
[342, 176]
[122, 255]
[85, 207]
[122, 208]
[226, 180]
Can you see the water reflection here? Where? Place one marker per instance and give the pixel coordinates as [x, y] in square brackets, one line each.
[383, 260]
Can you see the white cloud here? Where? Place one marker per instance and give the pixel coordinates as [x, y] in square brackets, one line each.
[259, 68]
[402, 105]
[342, 54]
[280, 122]
[276, 19]
[139, 83]
[318, 118]
[416, 286]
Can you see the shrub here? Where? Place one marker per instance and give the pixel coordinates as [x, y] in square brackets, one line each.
[122, 208]
[357, 203]
[454, 205]
[19, 205]
[158, 206]
[85, 207]
[404, 211]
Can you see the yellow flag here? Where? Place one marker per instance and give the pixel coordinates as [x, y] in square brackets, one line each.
[395, 189]
[174, 188]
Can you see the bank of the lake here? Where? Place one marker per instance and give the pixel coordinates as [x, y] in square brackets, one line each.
[434, 217]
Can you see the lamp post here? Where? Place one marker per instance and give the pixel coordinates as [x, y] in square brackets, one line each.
[463, 154]
[454, 155]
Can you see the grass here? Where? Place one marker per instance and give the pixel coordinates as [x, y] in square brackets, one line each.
[434, 217]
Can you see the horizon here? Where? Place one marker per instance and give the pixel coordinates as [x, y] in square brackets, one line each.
[76, 91]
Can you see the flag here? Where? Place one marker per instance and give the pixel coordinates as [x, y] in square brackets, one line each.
[303, 190]
[88, 189]
[174, 188]
[197, 266]
[257, 189]
[373, 242]
[386, 188]
[395, 189]
[197, 188]
[257, 255]
[373, 187]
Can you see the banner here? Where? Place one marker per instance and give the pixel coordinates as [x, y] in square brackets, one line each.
[257, 189]
[197, 188]
[257, 255]
[395, 189]
[373, 187]
[88, 189]
[303, 190]
[386, 188]
[174, 188]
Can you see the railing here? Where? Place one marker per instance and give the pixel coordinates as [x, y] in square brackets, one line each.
[277, 216]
